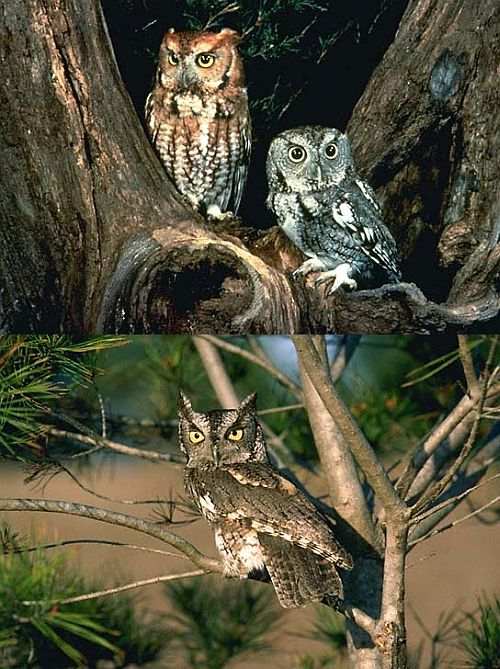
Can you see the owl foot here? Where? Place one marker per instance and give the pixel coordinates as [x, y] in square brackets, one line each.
[341, 276]
[311, 265]
[214, 212]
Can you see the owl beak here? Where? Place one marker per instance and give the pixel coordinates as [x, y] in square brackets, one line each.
[187, 78]
[215, 452]
[320, 176]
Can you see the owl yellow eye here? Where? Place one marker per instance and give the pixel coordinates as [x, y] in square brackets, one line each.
[331, 151]
[195, 437]
[297, 154]
[205, 60]
[173, 59]
[235, 435]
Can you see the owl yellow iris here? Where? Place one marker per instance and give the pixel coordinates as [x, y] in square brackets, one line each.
[235, 435]
[205, 60]
[195, 437]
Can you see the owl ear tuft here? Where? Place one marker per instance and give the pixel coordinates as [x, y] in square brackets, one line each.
[230, 35]
[249, 402]
[184, 404]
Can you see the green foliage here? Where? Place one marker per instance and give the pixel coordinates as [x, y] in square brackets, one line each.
[480, 637]
[216, 623]
[310, 662]
[329, 628]
[78, 634]
[35, 372]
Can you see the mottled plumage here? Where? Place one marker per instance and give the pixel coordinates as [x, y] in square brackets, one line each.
[261, 519]
[327, 210]
[198, 119]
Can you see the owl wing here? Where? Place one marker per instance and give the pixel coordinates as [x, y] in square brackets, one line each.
[264, 500]
[356, 211]
[298, 575]
[241, 169]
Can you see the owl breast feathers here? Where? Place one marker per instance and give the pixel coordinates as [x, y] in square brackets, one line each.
[198, 119]
[261, 519]
[327, 210]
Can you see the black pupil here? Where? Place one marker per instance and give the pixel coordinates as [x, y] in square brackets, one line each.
[205, 59]
[297, 154]
[331, 151]
[173, 58]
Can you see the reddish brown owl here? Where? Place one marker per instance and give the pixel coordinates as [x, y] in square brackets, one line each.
[197, 115]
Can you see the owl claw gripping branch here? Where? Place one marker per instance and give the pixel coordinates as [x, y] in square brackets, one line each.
[328, 211]
[198, 119]
[261, 519]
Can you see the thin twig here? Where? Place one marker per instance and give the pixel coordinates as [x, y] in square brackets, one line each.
[153, 456]
[455, 522]
[103, 542]
[94, 493]
[120, 588]
[451, 500]
[290, 407]
[443, 483]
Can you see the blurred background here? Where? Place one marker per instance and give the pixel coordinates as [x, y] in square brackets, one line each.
[126, 390]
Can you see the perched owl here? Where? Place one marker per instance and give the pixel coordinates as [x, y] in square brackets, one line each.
[198, 119]
[327, 210]
[261, 519]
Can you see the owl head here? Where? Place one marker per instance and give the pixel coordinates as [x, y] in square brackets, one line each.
[221, 436]
[194, 61]
[308, 159]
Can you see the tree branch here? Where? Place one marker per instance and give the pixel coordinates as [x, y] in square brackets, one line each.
[346, 493]
[265, 363]
[361, 449]
[455, 522]
[113, 518]
[116, 590]
[216, 372]
[468, 366]
[153, 456]
[100, 542]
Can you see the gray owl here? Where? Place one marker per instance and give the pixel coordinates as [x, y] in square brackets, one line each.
[198, 119]
[327, 210]
[261, 519]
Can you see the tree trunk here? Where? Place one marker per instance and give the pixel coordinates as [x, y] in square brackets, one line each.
[427, 131]
[95, 237]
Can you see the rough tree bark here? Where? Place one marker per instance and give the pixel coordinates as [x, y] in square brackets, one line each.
[94, 236]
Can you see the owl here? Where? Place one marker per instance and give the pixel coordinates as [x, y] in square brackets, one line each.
[327, 210]
[198, 119]
[261, 519]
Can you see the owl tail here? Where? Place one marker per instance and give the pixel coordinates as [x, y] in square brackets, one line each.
[299, 576]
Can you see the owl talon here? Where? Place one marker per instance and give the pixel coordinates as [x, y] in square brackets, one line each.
[341, 276]
[214, 213]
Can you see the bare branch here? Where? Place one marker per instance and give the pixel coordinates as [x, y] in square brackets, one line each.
[62, 469]
[290, 407]
[153, 456]
[113, 518]
[417, 473]
[442, 484]
[120, 588]
[265, 363]
[451, 500]
[78, 542]
[455, 522]
[216, 372]
[468, 365]
[346, 493]
[363, 452]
